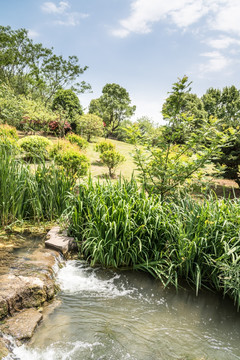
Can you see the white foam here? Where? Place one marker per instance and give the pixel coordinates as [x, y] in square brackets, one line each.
[57, 351]
[75, 278]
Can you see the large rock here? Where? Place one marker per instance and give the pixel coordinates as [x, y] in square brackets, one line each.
[22, 325]
[30, 285]
[59, 242]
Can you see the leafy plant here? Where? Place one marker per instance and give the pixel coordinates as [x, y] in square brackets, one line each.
[8, 131]
[73, 162]
[76, 139]
[120, 226]
[89, 125]
[105, 146]
[27, 194]
[35, 147]
[69, 157]
[112, 159]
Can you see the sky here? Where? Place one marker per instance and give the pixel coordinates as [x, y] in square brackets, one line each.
[142, 45]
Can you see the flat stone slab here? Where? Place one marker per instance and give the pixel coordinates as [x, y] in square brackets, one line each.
[60, 242]
[22, 325]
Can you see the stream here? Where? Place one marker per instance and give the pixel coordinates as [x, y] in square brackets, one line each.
[107, 315]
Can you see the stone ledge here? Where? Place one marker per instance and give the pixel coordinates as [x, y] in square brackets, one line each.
[59, 242]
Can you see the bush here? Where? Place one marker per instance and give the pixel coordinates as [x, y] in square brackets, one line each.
[73, 162]
[76, 139]
[104, 146]
[35, 147]
[112, 159]
[8, 131]
[62, 145]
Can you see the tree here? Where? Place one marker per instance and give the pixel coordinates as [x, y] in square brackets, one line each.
[68, 101]
[113, 106]
[32, 69]
[164, 167]
[181, 101]
[225, 105]
[89, 125]
[112, 159]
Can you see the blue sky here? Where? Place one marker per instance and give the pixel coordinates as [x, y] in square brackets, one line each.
[143, 45]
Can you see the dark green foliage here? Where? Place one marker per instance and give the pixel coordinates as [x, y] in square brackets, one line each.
[182, 102]
[68, 101]
[225, 105]
[113, 107]
[119, 226]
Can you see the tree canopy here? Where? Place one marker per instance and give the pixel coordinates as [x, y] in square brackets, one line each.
[113, 106]
[33, 69]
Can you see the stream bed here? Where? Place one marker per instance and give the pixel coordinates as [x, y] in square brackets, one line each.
[106, 315]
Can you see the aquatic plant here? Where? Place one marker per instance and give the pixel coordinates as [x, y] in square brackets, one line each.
[120, 226]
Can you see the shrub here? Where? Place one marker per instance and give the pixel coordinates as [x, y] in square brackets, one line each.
[35, 147]
[73, 162]
[112, 159]
[59, 127]
[104, 146]
[8, 131]
[62, 145]
[76, 139]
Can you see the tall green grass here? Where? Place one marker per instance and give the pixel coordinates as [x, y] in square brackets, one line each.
[119, 226]
[28, 192]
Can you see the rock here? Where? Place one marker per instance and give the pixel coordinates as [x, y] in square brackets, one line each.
[29, 286]
[22, 325]
[3, 349]
[59, 242]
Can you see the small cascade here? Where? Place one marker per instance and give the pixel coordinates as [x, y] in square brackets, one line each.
[108, 315]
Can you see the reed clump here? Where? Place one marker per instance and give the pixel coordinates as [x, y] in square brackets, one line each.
[120, 226]
[31, 192]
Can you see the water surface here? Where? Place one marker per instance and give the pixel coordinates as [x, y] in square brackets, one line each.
[106, 315]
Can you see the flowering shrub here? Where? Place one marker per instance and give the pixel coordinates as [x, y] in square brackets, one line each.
[35, 147]
[57, 128]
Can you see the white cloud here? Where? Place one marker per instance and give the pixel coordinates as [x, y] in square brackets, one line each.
[216, 62]
[144, 13]
[63, 13]
[51, 8]
[222, 15]
[223, 42]
[33, 34]
[227, 17]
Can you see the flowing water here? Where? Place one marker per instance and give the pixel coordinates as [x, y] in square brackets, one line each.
[106, 315]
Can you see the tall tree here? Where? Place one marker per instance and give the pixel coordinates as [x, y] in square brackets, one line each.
[31, 68]
[225, 105]
[113, 106]
[182, 101]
